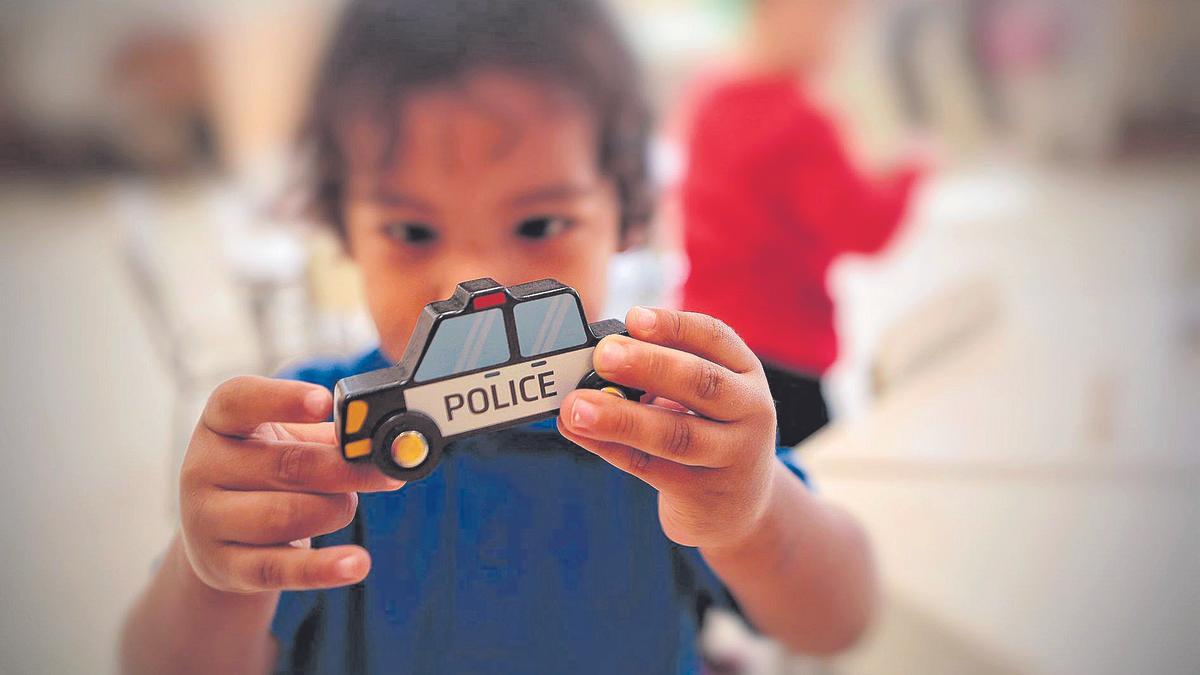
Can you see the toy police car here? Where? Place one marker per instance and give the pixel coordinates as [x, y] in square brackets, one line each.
[490, 357]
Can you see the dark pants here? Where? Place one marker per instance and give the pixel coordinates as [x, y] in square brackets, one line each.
[799, 405]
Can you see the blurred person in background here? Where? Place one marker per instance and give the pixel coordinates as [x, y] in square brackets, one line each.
[771, 197]
[504, 138]
[908, 28]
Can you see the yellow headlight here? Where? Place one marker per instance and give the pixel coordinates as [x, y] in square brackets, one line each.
[356, 414]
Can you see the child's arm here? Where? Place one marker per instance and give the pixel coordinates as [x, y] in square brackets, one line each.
[261, 471]
[852, 211]
[806, 576]
[798, 566]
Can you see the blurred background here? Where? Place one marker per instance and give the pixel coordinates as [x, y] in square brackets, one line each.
[1017, 402]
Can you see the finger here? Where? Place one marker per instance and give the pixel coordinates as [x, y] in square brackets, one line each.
[239, 406]
[677, 437]
[667, 403]
[250, 569]
[321, 432]
[699, 334]
[702, 385]
[264, 518]
[295, 467]
[658, 473]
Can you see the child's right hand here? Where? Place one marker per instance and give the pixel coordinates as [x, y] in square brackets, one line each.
[263, 475]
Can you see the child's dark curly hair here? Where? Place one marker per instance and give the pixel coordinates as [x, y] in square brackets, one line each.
[382, 50]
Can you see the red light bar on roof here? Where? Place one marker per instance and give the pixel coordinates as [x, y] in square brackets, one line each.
[489, 300]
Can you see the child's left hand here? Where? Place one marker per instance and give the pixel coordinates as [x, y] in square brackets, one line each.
[707, 442]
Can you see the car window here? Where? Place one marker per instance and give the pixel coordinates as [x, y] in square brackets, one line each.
[465, 343]
[549, 324]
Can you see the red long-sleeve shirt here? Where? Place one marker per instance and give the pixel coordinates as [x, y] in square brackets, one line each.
[770, 198]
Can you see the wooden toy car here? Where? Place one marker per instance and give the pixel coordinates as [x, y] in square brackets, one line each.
[490, 357]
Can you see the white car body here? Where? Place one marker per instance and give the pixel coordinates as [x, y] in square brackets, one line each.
[465, 404]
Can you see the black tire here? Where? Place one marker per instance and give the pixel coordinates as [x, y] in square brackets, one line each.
[593, 381]
[395, 425]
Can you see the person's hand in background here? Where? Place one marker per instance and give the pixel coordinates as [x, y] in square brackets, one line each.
[924, 153]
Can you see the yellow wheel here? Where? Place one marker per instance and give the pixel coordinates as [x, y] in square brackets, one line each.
[407, 446]
[410, 449]
[594, 382]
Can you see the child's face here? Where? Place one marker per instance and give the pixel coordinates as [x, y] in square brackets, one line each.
[496, 176]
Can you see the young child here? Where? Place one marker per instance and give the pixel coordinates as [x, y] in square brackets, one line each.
[503, 138]
[770, 199]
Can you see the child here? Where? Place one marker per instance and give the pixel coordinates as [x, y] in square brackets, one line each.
[767, 164]
[503, 138]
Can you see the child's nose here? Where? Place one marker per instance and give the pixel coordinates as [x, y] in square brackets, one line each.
[473, 267]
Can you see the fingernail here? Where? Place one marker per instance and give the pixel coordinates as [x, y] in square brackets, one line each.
[348, 567]
[315, 401]
[583, 414]
[394, 484]
[610, 355]
[643, 319]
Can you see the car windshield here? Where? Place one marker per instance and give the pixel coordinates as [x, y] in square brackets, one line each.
[465, 343]
[549, 324]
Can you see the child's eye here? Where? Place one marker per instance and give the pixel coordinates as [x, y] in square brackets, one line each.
[542, 227]
[410, 233]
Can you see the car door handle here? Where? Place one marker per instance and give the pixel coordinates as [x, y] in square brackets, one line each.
[494, 373]
[535, 364]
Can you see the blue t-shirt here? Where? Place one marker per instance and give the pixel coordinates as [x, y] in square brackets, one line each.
[521, 553]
